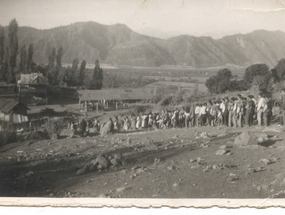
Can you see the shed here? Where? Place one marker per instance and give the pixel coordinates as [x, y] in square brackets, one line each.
[12, 112]
[115, 96]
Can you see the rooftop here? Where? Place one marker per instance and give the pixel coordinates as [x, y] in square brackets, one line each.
[118, 94]
[7, 105]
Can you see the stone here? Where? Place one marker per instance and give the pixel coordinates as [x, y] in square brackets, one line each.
[156, 161]
[225, 147]
[107, 128]
[171, 167]
[259, 169]
[30, 173]
[262, 139]
[207, 169]
[221, 152]
[250, 138]
[265, 161]
[245, 138]
[175, 185]
[204, 135]
[101, 162]
[121, 189]
[233, 177]
[268, 161]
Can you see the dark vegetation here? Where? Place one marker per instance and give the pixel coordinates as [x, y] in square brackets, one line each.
[256, 75]
[17, 59]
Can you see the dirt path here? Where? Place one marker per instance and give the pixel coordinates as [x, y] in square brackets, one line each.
[174, 163]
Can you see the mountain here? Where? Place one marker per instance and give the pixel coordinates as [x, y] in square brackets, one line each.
[119, 45]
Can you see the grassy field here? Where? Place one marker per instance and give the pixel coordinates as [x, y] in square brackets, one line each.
[181, 77]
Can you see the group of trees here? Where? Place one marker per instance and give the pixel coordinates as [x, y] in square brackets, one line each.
[15, 61]
[9, 49]
[258, 75]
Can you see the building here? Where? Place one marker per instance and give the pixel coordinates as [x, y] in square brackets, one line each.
[32, 88]
[13, 114]
[112, 99]
[8, 90]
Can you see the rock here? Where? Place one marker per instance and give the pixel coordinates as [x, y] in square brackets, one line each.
[233, 177]
[101, 162]
[82, 170]
[265, 161]
[225, 147]
[221, 152]
[156, 161]
[204, 145]
[245, 138]
[114, 162]
[262, 139]
[273, 129]
[121, 189]
[207, 169]
[171, 167]
[107, 128]
[250, 138]
[259, 169]
[204, 135]
[102, 195]
[28, 174]
[200, 160]
[268, 161]
[175, 184]
[140, 170]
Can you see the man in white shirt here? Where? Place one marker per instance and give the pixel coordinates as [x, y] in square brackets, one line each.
[261, 105]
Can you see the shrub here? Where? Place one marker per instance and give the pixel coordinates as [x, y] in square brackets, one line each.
[7, 137]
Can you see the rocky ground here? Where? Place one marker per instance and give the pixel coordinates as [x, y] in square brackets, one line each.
[174, 163]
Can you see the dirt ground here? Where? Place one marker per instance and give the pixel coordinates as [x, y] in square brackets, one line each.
[174, 163]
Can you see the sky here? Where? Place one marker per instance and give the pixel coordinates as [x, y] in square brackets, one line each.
[159, 18]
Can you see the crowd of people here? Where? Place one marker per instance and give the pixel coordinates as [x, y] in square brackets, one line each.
[234, 112]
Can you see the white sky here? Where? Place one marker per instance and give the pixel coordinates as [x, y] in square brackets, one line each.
[162, 18]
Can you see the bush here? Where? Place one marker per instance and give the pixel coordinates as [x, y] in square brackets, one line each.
[256, 73]
[219, 83]
[166, 101]
[7, 137]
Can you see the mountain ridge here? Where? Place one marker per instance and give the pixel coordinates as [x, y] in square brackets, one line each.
[119, 45]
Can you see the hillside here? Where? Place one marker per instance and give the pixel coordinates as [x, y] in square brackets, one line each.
[119, 45]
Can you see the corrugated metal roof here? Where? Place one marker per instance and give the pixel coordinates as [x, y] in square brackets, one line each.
[116, 94]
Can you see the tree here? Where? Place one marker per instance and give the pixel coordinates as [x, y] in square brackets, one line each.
[2, 48]
[253, 71]
[56, 74]
[70, 76]
[13, 49]
[30, 58]
[59, 57]
[278, 71]
[82, 72]
[2, 51]
[23, 59]
[97, 78]
[221, 82]
[52, 58]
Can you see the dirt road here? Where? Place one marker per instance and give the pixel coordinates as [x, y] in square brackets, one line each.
[174, 163]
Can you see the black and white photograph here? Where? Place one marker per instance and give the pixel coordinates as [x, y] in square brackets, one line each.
[142, 99]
